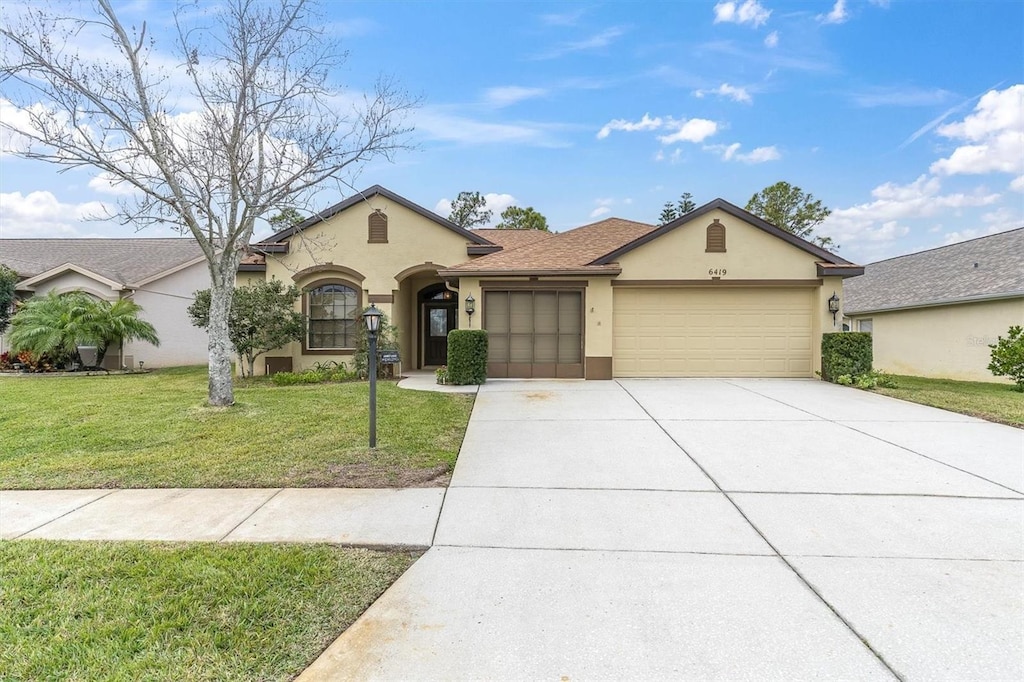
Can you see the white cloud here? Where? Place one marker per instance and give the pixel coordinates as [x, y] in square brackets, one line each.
[41, 214]
[1017, 184]
[693, 130]
[437, 124]
[600, 211]
[757, 155]
[838, 15]
[892, 202]
[772, 39]
[564, 19]
[645, 123]
[105, 183]
[494, 202]
[594, 42]
[511, 94]
[750, 12]
[736, 94]
[996, 132]
[970, 233]
[899, 96]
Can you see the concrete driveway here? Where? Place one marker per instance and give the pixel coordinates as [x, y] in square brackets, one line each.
[666, 529]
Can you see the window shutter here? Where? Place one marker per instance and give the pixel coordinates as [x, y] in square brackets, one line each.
[716, 238]
[378, 233]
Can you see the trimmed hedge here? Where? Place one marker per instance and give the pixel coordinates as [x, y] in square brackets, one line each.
[467, 356]
[845, 353]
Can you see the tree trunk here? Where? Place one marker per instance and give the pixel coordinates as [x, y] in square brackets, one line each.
[252, 365]
[222, 287]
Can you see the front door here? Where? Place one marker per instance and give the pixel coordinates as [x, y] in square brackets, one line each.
[438, 320]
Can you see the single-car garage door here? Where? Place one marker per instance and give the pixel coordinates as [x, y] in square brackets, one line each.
[695, 332]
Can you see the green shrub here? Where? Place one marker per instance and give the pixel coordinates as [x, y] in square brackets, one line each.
[467, 356]
[845, 353]
[320, 373]
[871, 379]
[1008, 356]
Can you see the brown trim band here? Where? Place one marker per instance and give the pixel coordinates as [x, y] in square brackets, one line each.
[482, 249]
[599, 368]
[534, 284]
[829, 270]
[332, 268]
[716, 282]
[606, 270]
[426, 266]
[381, 298]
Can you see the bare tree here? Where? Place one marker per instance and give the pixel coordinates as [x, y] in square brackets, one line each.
[240, 123]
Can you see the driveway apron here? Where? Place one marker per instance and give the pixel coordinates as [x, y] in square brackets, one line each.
[706, 528]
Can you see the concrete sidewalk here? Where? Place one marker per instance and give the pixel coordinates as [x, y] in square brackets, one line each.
[358, 517]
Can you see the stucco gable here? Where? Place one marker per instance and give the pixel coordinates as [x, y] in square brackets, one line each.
[364, 196]
[693, 218]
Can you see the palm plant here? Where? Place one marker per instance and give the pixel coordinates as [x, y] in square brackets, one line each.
[56, 324]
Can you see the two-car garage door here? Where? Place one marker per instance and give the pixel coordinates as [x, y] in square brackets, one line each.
[695, 331]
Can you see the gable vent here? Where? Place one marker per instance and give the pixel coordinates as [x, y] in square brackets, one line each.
[716, 238]
[378, 233]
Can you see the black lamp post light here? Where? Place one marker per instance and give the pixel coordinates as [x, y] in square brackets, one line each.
[833, 307]
[371, 318]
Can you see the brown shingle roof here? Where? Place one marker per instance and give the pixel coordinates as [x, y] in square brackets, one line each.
[563, 251]
[512, 239]
[122, 260]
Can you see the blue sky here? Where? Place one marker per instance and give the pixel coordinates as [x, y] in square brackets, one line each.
[905, 117]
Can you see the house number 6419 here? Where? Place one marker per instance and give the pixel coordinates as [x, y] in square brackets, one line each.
[717, 272]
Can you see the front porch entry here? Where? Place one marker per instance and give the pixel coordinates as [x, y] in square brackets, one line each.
[438, 315]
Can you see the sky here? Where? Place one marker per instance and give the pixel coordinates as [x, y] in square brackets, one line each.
[905, 117]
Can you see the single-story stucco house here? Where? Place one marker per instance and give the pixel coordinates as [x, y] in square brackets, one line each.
[717, 292]
[934, 313]
[161, 275]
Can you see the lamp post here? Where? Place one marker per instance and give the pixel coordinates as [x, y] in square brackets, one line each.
[371, 318]
[470, 308]
[833, 307]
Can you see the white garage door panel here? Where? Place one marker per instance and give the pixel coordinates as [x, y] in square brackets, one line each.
[701, 332]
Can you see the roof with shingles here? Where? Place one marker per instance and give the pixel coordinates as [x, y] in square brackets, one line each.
[573, 250]
[986, 267]
[512, 239]
[122, 260]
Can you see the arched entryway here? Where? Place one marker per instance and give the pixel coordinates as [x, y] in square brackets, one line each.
[438, 315]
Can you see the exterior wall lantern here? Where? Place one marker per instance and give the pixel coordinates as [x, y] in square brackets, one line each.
[833, 307]
[371, 318]
[470, 308]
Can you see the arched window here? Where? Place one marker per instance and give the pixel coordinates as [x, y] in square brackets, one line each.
[333, 311]
[716, 238]
[378, 228]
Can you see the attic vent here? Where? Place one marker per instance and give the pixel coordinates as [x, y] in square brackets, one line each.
[378, 233]
[716, 238]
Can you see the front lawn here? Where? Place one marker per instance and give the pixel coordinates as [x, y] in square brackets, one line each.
[991, 401]
[132, 611]
[154, 430]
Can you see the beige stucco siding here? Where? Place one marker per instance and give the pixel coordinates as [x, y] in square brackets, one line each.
[948, 341]
[751, 253]
[391, 273]
[73, 281]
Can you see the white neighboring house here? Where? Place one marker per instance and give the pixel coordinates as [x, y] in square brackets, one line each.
[934, 313]
[161, 275]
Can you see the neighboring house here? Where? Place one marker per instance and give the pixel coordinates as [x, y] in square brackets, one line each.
[718, 292]
[161, 275]
[934, 313]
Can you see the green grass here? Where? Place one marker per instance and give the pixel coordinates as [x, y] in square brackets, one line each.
[155, 430]
[995, 402]
[131, 611]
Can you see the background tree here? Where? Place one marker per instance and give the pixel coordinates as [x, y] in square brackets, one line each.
[285, 218]
[262, 319]
[8, 281]
[677, 210]
[469, 210]
[791, 209]
[56, 324]
[266, 131]
[515, 218]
